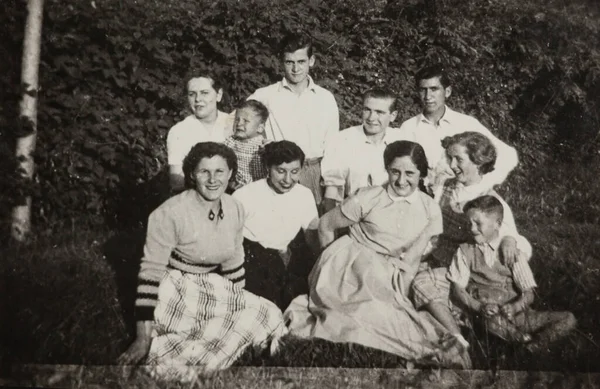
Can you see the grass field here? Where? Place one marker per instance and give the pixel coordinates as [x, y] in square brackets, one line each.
[68, 297]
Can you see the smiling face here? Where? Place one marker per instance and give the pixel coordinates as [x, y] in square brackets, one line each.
[211, 177]
[484, 226]
[296, 66]
[465, 170]
[282, 178]
[202, 97]
[247, 124]
[403, 176]
[376, 115]
[433, 95]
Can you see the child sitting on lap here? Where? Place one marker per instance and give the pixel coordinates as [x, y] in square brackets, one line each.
[497, 294]
[247, 141]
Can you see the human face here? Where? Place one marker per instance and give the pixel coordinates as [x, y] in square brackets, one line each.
[376, 115]
[296, 66]
[202, 97]
[212, 176]
[484, 227]
[403, 176]
[247, 124]
[433, 95]
[465, 170]
[284, 177]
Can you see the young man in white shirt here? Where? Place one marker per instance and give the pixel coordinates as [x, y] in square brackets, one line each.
[438, 121]
[300, 110]
[354, 157]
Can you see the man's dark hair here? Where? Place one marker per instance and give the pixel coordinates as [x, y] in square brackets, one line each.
[258, 108]
[206, 150]
[487, 204]
[381, 93]
[293, 42]
[433, 71]
[280, 152]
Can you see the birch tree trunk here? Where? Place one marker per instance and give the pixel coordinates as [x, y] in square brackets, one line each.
[21, 215]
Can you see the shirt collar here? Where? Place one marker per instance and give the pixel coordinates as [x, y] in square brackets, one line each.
[311, 84]
[447, 117]
[493, 244]
[363, 137]
[414, 196]
[256, 141]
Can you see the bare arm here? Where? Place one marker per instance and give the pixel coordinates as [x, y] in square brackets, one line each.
[331, 221]
[141, 345]
[176, 179]
[466, 299]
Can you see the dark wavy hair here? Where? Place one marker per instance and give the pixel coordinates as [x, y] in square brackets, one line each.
[280, 152]
[480, 149]
[433, 71]
[405, 148]
[487, 204]
[206, 150]
[293, 42]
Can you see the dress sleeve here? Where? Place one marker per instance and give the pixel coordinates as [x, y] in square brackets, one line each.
[357, 206]
[435, 216]
[233, 269]
[161, 239]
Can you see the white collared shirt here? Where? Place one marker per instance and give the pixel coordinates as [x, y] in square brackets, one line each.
[273, 219]
[308, 119]
[419, 129]
[352, 161]
[190, 131]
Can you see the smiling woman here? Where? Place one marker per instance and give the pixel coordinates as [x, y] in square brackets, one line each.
[358, 287]
[278, 212]
[191, 307]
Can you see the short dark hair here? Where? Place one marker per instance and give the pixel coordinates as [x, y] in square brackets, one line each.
[487, 204]
[215, 82]
[206, 150]
[405, 148]
[258, 108]
[381, 93]
[433, 71]
[280, 152]
[479, 147]
[293, 42]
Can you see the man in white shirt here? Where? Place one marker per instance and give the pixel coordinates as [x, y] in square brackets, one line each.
[300, 110]
[354, 157]
[438, 121]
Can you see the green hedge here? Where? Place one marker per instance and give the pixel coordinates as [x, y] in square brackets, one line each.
[113, 73]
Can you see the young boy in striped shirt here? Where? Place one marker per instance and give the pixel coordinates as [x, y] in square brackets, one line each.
[501, 295]
[247, 142]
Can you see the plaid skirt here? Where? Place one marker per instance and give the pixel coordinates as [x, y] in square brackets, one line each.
[203, 322]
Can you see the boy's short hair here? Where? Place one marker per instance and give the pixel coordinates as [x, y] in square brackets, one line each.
[433, 71]
[293, 42]
[258, 108]
[487, 204]
[381, 93]
[280, 152]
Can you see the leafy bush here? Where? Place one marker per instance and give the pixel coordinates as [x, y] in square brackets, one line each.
[113, 73]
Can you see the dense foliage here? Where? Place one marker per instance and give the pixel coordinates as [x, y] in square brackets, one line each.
[113, 72]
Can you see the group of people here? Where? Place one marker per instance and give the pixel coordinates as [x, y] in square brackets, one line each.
[392, 238]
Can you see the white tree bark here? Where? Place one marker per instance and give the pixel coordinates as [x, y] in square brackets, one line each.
[21, 215]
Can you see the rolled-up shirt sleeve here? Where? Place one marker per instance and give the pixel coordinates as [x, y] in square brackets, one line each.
[459, 270]
[334, 169]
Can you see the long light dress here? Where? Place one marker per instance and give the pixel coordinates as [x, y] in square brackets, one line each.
[357, 287]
